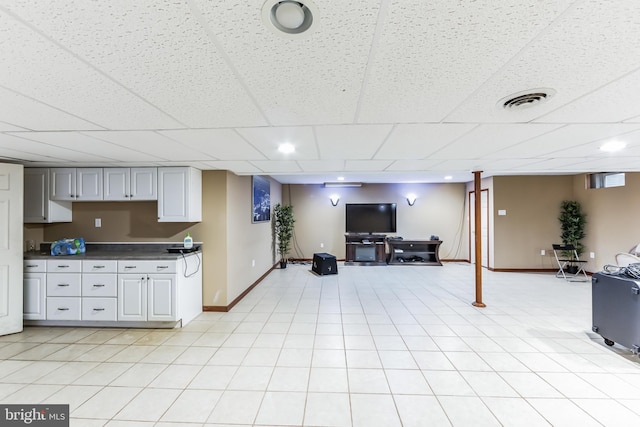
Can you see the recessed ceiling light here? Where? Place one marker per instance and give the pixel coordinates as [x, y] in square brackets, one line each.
[613, 146]
[286, 148]
[341, 178]
[448, 177]
[288, 17]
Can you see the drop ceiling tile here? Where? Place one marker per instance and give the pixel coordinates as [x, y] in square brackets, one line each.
[27, 113]
[237, 167]
[312, 79]
[413, 165]
[417, 141]
[221, 144]
[485, 140]
[55, 153]
[276, 166]
[616, 101]
[149, 142]
[566, 137]
[86, 143]
[350, 141]
[267, 140]
[48, 73]
[6, 127]
[158, 50]
[422, 43]
[580, 51]
[367, 165]
[315, 166]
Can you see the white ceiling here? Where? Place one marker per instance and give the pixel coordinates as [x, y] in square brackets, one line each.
[377, 91]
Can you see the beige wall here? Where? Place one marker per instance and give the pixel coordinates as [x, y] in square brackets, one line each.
[531, 223]
[230, 241]
[612, 218]
[438, 210]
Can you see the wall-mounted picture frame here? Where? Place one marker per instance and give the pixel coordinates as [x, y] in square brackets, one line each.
[260, 199]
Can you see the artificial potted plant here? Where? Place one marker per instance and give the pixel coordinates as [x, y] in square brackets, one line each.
[572, 224]
[283, 228]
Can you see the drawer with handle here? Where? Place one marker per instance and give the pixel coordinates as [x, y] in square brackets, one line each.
[147, 267]
[63, 285]
[99, 285]
[63, 308]
[102, 309]
[34, 265]
[64, 266]
[100, 266]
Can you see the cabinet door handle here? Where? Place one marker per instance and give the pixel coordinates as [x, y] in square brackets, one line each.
[128, 267]
[98, 266]
[63, 266]
[98, 285]
[63, 284]
[162, 267]
[32, 266]
[63, 309]
[98, 309]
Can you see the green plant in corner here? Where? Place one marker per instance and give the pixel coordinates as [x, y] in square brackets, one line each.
[572, 224]
[283, 228]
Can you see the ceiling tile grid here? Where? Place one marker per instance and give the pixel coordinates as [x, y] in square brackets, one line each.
[298, 81]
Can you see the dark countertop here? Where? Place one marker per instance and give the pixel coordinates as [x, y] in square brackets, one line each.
[117, 251]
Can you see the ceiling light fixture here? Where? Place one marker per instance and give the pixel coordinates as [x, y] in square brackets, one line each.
[286, 148]
[448, 177]
[342, 184]
[613, 146]
[288, 16]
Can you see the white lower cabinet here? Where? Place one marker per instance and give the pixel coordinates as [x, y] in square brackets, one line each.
[149, 293]
[99, 290]
[132, 297]
[161, 297]
[35, 296]
[114, 291]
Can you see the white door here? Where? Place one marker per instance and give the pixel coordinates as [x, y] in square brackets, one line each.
[161, 293]
[144, 184]
[132, 297]
[63, 183]
[89, 184]
[116, 184]
[11, 212]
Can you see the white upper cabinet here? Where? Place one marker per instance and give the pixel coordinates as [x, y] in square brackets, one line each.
[74, 184]
[144, 184]
[179, 194]
[38, 206]
[130, 184]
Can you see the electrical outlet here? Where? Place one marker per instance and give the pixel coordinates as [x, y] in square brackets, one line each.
[543, 252]
[592, 255]
[253, 263]
[98, 222]
[322, 245]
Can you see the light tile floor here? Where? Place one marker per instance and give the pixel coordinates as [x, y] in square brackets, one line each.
[371, 346]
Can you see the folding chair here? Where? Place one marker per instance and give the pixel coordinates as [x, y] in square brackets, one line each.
[561, 252]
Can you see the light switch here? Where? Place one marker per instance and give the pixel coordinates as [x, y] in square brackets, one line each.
[502, 212]
[98, 222]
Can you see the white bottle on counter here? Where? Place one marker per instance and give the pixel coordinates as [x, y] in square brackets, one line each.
[188, 241]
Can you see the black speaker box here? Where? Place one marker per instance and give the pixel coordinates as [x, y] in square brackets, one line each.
[324, 263]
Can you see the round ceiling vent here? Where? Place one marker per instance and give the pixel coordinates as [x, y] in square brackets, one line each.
[288, 17]
[525, 99]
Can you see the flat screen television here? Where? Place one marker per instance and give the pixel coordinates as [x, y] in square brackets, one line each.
[370, 218]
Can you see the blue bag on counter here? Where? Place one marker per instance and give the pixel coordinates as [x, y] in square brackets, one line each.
[68, 246]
